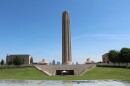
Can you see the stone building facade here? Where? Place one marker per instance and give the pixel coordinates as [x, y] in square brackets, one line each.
[27, 59]
[105, 58]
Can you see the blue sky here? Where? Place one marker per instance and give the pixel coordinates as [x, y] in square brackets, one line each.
[34, 27]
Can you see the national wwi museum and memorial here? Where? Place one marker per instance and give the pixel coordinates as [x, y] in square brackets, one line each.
[67, 68]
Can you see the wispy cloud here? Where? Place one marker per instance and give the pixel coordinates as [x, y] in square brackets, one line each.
[104, 36]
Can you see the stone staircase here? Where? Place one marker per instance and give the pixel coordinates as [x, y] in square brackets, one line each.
[78, 69]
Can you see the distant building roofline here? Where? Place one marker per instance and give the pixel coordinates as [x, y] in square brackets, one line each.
[18, 55]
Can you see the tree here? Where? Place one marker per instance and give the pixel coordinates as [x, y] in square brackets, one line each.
[125, 55]
[113, 56]
[2, 62]
[18, 61]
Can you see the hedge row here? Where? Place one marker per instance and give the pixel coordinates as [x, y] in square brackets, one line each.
[8, 67]
[114, 66]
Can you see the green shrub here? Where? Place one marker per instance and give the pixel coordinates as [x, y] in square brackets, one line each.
[18, 61]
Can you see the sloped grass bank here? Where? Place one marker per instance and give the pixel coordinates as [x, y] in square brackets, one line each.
[98, 73]
[103, 73]
[22, 73]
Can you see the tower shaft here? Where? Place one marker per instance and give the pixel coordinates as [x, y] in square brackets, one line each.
[66, 39]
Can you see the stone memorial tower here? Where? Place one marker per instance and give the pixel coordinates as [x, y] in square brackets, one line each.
[66, 39]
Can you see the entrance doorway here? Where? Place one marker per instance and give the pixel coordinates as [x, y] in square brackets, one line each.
[64, 72]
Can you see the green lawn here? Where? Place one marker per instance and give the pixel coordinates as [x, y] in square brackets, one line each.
[98, 73]
[21, 73]
[101, 73]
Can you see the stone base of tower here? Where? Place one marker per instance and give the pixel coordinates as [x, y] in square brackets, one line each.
[68, 63]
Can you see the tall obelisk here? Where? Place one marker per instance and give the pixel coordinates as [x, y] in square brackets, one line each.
[66, 39]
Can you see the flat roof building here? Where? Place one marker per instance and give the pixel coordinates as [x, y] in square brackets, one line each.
[27, 59]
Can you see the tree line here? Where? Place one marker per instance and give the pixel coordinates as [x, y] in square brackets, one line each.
[122, 56]
[17, 61]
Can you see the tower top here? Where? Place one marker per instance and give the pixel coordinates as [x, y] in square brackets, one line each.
[65, 12]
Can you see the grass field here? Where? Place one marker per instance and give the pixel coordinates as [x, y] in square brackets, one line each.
[98, 73]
